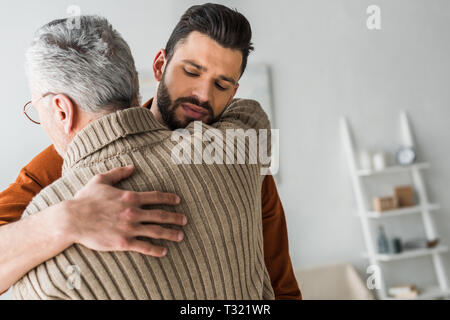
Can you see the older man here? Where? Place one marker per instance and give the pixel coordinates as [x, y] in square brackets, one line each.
[183, 82]
[97, 128]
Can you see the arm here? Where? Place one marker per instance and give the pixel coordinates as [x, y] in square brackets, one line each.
[276, 245]
[246, 121]
[36, 175]
[28, 242]
[13, 201]
[99, 217]
[243, 114]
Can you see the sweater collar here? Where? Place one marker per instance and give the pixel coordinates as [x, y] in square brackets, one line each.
[105, 130]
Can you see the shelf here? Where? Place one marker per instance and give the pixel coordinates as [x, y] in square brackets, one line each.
[367, 214]
[408, 254]
[402, 211]
[428, 294]
[394, 169]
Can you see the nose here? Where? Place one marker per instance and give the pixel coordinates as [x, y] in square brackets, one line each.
[203, 91]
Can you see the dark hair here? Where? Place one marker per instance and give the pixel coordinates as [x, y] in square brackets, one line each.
[227, 27]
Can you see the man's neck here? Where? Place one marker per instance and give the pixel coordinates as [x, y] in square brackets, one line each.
[153, 106]
[82, 120]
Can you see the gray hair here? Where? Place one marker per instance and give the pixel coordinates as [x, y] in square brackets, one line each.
[91, 63]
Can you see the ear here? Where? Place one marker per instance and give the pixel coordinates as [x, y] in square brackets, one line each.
[159, 64]
[65, 112]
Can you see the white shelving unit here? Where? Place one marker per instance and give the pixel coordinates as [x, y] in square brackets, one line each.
[424, 208]
[391, 170]
[409, 254]
[402, 211]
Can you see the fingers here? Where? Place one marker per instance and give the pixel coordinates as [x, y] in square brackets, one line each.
[146, 248]
[114, 175]
[157, 232]
[157, 197]
[160, 217]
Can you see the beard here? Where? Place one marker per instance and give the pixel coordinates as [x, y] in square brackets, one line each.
[167, 108]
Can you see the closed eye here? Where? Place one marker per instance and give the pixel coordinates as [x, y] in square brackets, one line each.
[220, 87]
[194, 75]
[190, 74]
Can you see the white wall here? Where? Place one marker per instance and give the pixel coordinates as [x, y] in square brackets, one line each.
[325, 63]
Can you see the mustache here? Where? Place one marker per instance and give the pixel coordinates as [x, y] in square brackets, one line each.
[194, 100]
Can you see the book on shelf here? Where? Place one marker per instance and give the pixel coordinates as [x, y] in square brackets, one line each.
[408, 291]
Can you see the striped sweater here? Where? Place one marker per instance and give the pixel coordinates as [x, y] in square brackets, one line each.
[221, 256]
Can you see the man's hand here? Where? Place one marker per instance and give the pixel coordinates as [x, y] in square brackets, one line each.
[104, 218]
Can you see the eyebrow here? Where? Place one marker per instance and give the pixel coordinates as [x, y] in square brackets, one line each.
[201, 68]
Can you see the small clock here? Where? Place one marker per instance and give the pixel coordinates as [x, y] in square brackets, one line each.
[406, 156]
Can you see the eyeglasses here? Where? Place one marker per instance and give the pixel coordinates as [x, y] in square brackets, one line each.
[30, 112]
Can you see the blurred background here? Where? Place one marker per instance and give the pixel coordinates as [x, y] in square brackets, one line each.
[324, 59]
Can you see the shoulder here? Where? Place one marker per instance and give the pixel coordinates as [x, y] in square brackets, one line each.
[248, 111]
[245, 102]
[45, 167]
[246, 106]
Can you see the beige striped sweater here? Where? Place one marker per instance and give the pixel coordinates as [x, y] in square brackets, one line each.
[221, 256]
